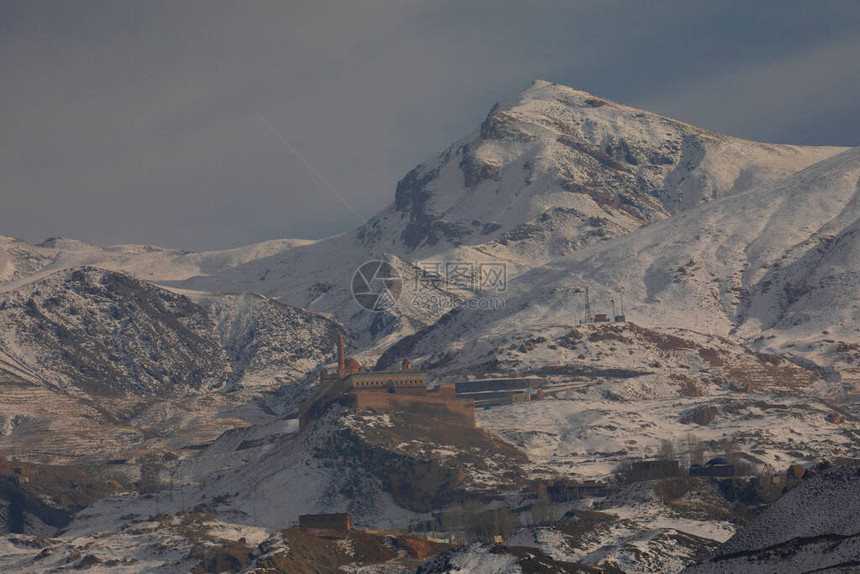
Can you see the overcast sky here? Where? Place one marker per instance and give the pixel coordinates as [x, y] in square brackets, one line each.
[145, 122]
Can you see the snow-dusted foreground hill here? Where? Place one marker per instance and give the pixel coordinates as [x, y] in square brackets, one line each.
[814, 528]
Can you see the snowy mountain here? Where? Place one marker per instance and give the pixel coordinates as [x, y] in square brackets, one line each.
[772, 267]
[547, 174]
[21, 262]
[107, 334]
[547, 165]
[735, 263]
[96, 365]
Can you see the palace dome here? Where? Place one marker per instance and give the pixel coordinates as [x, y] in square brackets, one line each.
[350, 365]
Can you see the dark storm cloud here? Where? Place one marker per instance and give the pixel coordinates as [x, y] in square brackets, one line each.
[137, 121]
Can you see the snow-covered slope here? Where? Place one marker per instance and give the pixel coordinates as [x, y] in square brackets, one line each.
[108, 334]
[773, 266]
[480, 558]
[813, 528]
[96, 365]
[21, 262]
[268, 343]
[591, 430]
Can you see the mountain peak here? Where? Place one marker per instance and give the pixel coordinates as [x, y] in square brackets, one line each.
[550, 92]
[564, 168]
[544, 88]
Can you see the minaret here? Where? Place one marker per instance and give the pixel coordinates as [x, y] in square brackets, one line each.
[341, 358]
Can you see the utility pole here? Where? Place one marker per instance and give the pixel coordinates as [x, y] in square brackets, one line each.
[588, 318]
